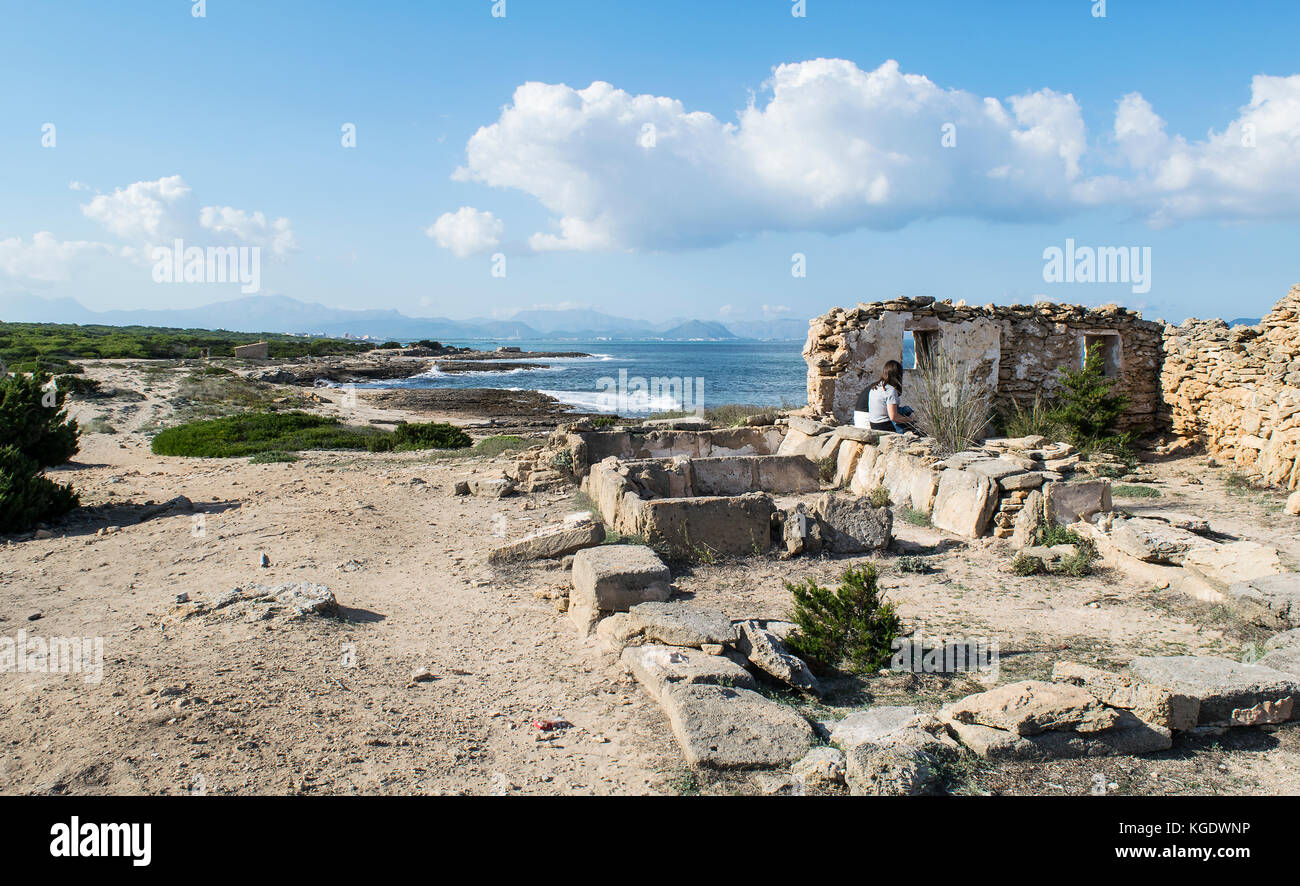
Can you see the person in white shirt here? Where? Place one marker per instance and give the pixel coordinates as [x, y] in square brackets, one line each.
[885, 410]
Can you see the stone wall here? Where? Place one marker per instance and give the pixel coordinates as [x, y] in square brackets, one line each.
[1014, 352]
[1237, 390]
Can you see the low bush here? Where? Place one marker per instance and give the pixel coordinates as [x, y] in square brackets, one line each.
[253, 433]
[1135, 492]
[27, 497]
[879, 497]
[850, 625]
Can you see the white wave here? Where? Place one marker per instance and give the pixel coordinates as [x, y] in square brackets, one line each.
[636, 402]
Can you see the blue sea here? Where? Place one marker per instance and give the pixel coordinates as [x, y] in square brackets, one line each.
[641, 378]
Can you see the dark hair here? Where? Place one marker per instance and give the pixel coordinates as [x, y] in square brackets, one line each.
[892, 374]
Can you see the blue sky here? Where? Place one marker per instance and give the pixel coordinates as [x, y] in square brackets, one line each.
[161, 117]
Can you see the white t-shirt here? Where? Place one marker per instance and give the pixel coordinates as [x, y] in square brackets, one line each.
[878, 402]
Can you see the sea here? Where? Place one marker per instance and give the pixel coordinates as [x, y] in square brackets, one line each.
[642, 377]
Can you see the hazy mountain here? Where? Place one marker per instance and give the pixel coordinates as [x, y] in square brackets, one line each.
[1246, 321]
[787, 329]
[278, 313]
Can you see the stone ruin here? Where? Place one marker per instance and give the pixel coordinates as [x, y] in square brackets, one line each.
[1013, 352]
[683, 491]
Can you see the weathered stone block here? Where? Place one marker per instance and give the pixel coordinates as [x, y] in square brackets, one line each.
[726, 728]
[1230, 693]
[656, 667]
[855, 526]
[964, 503]
[614, 578]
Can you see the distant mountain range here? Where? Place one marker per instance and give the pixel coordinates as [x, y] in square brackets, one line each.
[277, 313]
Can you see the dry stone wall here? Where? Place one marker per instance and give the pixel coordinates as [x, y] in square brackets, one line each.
[1014, 352]
[1237, 390]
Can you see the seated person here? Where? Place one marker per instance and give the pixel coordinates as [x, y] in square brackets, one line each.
[883, 400]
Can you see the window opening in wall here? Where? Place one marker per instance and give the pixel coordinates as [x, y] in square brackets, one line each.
[1110, 351]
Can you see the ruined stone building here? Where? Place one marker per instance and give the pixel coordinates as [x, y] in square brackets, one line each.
[1014, 352]
[1237, 390]
[1234, 389]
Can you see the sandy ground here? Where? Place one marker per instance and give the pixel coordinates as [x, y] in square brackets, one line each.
[322, 705]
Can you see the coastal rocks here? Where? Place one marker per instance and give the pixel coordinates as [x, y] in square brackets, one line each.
[890, 771]
[1031, 707]
[1230, 693]
[820, 769]
[552, 542]
[964, 503]
[852, 525]
[1272, 600]
[656, 667]
[1154, 541]
[614, 578]
[725, 728]
[1239, 561]
[800, 533]
[261, 602]
[681, 624]
[765, 651]
[1151, 703]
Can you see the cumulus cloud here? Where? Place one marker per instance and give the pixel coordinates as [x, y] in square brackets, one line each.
[45, 258]
[153, 213]
[466, 231]
[1249, 170]
[834, 148]
[249, 228]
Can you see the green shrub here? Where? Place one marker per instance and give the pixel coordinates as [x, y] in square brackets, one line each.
[420, 435]
[33, 420]
[390, 346]
[1135, 492]
[1088, 409]
[915, 517]
[26, 496]
[604, 421]
[273, 457]
[914, 565]
[251, 433]
[879, 497]
[952, 409]
[1038, 420]
[1023, 564]
[848, 625]
[826, 469]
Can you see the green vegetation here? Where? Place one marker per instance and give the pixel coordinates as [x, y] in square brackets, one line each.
[826, 469]
[488, 447]
[254, 433]
[25, 347]
[1082, 562]
[850, 625]
[1083, 413]
[915, 517]
[913, 565]
[421, 435]
[1135, 492]
[951, 408]
[879, 497]
[273, 457]
[1039, 420]
[34, 434]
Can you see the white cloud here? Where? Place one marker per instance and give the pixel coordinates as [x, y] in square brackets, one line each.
[250, 228]
[153, 213]
[775, 310]
[45, 258]
[1249, 170]
[833, 148]
[466, 231]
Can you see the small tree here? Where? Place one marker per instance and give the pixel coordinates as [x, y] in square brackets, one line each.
[1086, 405]
[33, 420]
[34, 433]
[851, 624]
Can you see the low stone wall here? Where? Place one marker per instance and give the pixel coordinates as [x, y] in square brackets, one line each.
[591, 447]
[1014, 352]
[689, 506]
[1237, 390]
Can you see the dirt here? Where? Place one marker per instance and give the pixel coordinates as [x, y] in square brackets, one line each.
[327, 704]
